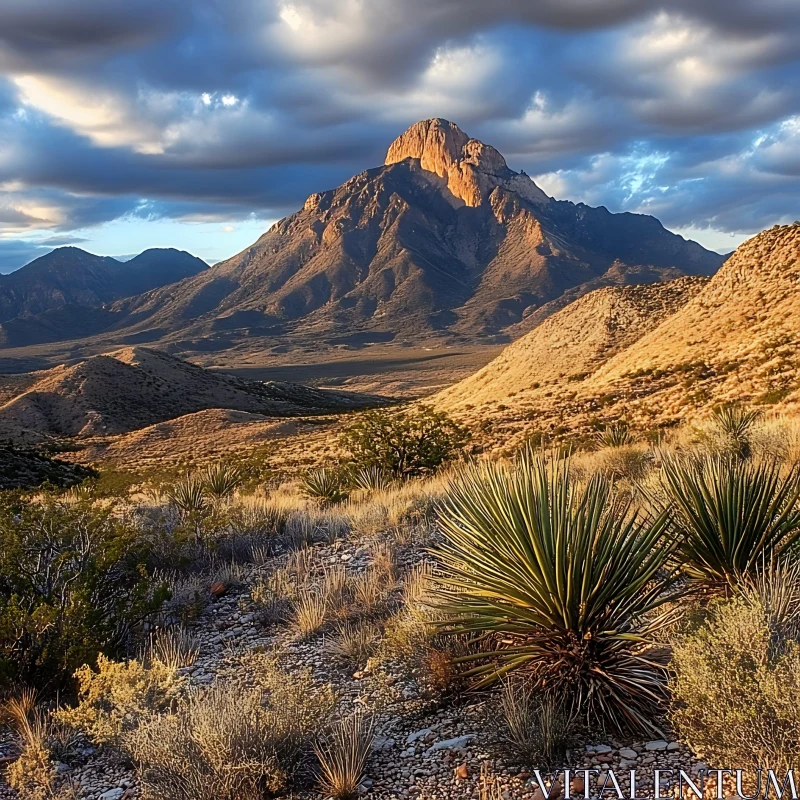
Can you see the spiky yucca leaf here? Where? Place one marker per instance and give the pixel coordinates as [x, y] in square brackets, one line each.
[616, 435]
[560, 582]
[328, 486]
[735, 422]
[372, 478]
[220, 480]
[732, 516]
[189, 496]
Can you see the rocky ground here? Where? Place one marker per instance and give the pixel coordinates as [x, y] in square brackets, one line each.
[434, 748]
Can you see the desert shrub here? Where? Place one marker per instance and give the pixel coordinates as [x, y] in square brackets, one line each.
[536, 729]
[405, 444]
[73, 583]
[343, 755]
[327, 486]
[737, 688]
[627, 462]
[229, 743]
[224, 744]
[561, 583]
[731, 516]
[119, 696]
[41, 741]
[615, 435]
[735, 424]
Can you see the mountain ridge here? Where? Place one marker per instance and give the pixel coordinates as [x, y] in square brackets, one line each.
[69, 277]
[442, 241]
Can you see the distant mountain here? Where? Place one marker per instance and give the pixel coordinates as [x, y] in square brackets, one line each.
[444, 238]
[71, 277]
[132, 388]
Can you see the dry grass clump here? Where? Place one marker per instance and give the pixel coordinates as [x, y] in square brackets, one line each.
[310, 613]
[343, 755]
[174, 647]
[535, 728]
[353, 644]
[118, 696]
[232, 744]
[737, 682]
[42, 740]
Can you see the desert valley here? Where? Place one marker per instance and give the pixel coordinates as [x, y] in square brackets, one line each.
[441, 485]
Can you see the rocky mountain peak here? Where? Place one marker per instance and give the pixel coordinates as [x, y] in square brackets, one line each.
[471, 169]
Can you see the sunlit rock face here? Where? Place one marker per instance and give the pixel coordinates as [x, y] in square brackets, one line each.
[471, 169]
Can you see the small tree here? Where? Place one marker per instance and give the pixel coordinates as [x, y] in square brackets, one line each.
[404, 445]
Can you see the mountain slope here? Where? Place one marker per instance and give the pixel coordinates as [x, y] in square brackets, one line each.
[136, 387]
[71, 276]
[573, 342]
[444, 238]
[735, 338]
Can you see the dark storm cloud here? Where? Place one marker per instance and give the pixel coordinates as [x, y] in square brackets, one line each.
[217, 109]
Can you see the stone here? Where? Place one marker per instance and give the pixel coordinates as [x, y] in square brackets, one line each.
[603, 748]
[112, 794]
[413, 737]
[656, 744]
[218, 589]
[627, 753]
[457, 743]
[462, 772]
[673, 746]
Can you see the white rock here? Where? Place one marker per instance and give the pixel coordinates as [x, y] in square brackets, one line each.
[627, 753]
[112, 794]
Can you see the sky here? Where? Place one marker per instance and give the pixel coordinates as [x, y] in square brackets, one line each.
[127, 124]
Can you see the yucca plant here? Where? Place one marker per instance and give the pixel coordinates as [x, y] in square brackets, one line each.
[343, 755]
[615, 435]
[372, 478]
[220, 480]
[731, 516]
[735, 422]
[189, 496]
[558, 583]
[325, 485]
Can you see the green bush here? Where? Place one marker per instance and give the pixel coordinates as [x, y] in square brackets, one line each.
[561, 584]
[408, 444]
[737, 688]
[72, 584]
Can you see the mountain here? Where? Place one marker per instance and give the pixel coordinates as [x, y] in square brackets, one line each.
[71, 278]
[444, 239]
[132, 388]
[654, 355]
[573, 342]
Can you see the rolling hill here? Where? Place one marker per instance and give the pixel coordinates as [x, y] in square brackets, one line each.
[655, 355]
[136, 387]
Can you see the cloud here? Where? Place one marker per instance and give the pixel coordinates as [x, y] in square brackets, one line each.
[224, 109]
